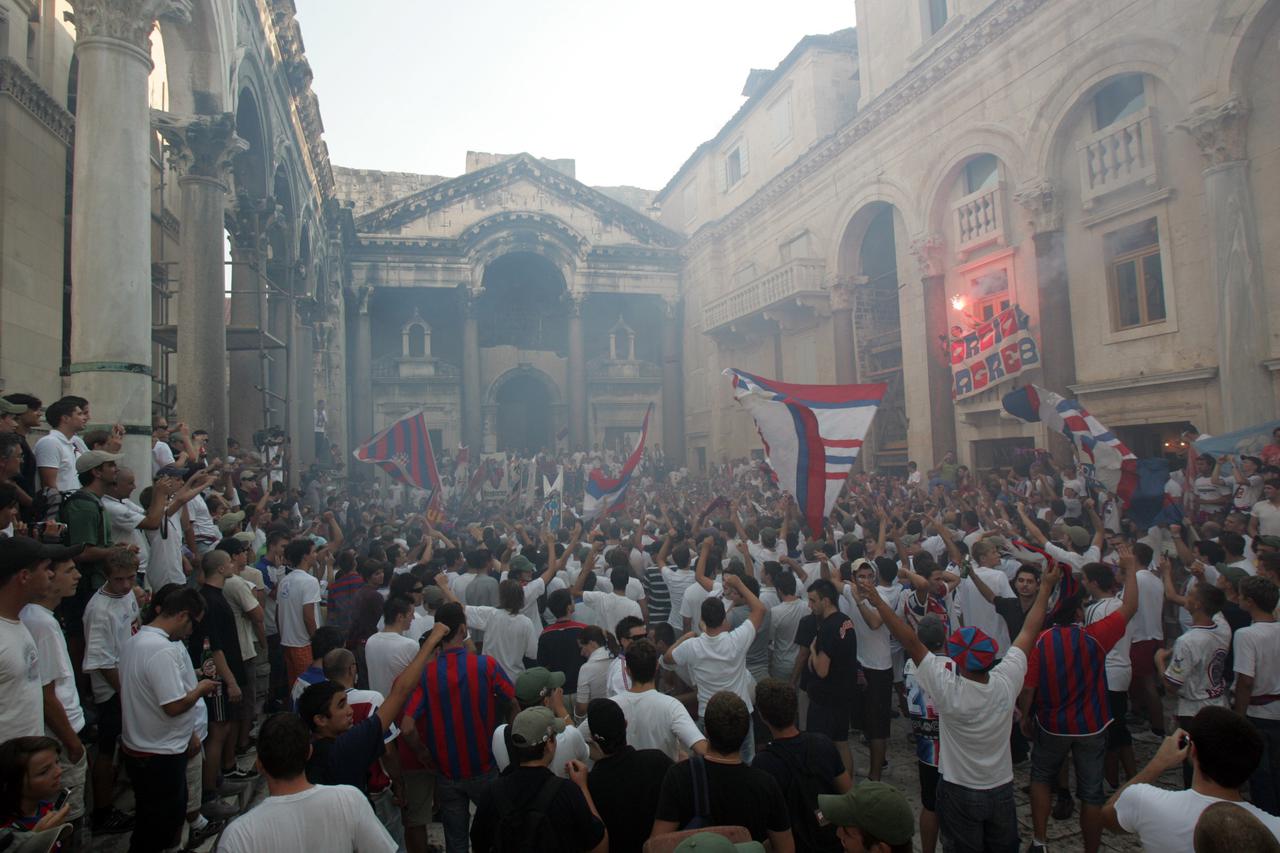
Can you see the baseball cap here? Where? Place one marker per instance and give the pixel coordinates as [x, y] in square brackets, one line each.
[7, 408]
[879, 809]
[1233, 574]
[1078, 535]
[520, 563]
[19, 552]
[536, 725]
[607, 722]
[94, 458]
[230, 522]
[972, 649]
[535, 683]
[1270, 541]
[712, 842]
[432, 596]
[244, 536]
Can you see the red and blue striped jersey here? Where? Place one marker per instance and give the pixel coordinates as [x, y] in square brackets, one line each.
[1067, 668]
[456, 709]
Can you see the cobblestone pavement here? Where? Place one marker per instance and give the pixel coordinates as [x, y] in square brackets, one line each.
[1064, 836]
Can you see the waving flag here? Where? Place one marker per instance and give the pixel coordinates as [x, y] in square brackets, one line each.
[811, 434]
[404, 451]
[603, 494]
[1112, 464]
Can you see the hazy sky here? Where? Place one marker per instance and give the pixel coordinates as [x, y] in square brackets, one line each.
[627, 89]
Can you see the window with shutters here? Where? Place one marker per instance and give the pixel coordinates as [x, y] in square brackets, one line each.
[937, 10]
[735, 165]
[780, 120]
[689, 200]
[1135, 276]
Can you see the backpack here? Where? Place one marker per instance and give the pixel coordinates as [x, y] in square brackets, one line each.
[528, 829]
[801, 793]
[701, 794]
[64, 516]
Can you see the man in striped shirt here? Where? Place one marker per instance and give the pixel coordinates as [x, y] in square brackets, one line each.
[455, 709]
[1065, 708]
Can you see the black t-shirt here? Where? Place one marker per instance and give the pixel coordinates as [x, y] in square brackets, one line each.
[1237, 618]
[346, 759]
[219, 627]
[739, 795]
[806, 630]
[838, 640]
[576, 827]
[817, 754]
[558, 651]
[625, 789]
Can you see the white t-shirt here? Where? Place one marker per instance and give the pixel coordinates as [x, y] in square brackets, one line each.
[719, 663]
[873, 643]
[508, 638]
[570, 746]
[155, 671]
[974, 719]
[386, 655]
[784, 619]
[611, 608]
[54, 660]
[22, 711]
[982, 613]
[658, 721]
[678, 580]
[201, 521]
[593, 677]
[1245, 491]
[55, 450]
[164, 553]
[1165, 821]
[1268, 515]
[1148, 622]
[1198, 665]
[161, 455]
[534, 590]
[691, 604]
[297, 589]
[124, 516]
[109, 622]
[321, 819]
[1257, 654]
[1119, 669]
[238, 592]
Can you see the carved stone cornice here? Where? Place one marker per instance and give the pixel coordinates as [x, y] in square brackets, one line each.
[200, 146]
[129, 21]
[16, 83]
[929, 251]
[1042, 206]
[1219, 132]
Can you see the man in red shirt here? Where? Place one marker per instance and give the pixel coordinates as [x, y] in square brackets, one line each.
[1066, 690]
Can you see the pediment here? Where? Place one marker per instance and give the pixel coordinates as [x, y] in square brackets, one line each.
[520, 188]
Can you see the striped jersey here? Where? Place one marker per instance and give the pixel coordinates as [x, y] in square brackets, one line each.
[456, 709]
[1067, 668]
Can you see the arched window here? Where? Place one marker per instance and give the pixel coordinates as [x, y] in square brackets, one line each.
[416, 336]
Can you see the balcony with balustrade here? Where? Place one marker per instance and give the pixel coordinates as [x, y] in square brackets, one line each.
[795, 287]
[979, 220]
[1120, 155]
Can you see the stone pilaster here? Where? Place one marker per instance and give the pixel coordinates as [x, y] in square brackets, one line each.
[1243, 380]
[201, 149]
[307, 313]
[472, 425]
[247, 222]
[111, 216]
[361, 376]
[929, 254]
[575, 302]
[672, 384]
[842, 331]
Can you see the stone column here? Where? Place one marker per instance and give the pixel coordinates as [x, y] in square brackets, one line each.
[472, 425]
[842, 329]
[111, 217]
[247, 221]
[201, 149]
[577, 374]
[672, 385]
[1057, 338]
[1245, 385]
[307, 312]
[361, 378]
[933, 279]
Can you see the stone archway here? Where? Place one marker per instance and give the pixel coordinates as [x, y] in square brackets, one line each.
[524, 418]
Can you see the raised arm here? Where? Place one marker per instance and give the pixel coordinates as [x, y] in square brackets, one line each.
[407, 680]
[903, 632]
[758, 609]
[700, 571]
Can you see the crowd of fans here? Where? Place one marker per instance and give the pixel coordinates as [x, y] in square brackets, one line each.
[685, 671]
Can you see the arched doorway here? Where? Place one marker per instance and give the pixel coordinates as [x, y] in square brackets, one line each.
[524, 416]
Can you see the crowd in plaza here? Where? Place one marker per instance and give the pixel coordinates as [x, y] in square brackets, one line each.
[684, 670]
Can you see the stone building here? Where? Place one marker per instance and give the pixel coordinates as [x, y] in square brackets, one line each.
[973, 194]
[150, 154]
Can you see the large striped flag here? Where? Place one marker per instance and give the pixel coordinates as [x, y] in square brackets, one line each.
[604, 494]
[1105, 456]
[404, 451]
[811, 434]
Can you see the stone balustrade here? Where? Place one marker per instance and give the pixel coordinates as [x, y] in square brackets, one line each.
[979, 219]
[1118, 156]
[803, 275]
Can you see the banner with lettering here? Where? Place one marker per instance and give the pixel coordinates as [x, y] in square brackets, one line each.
[992, 353]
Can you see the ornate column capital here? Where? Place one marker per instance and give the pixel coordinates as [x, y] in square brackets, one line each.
[1219, 131]
[309, 310]
[1039, 201]
[248, 219]
[841, 292]
[574, 301]
[928, 250]
[469, 301]
[202, 146]
[360, 298]
[670, 306]
[129, 21]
